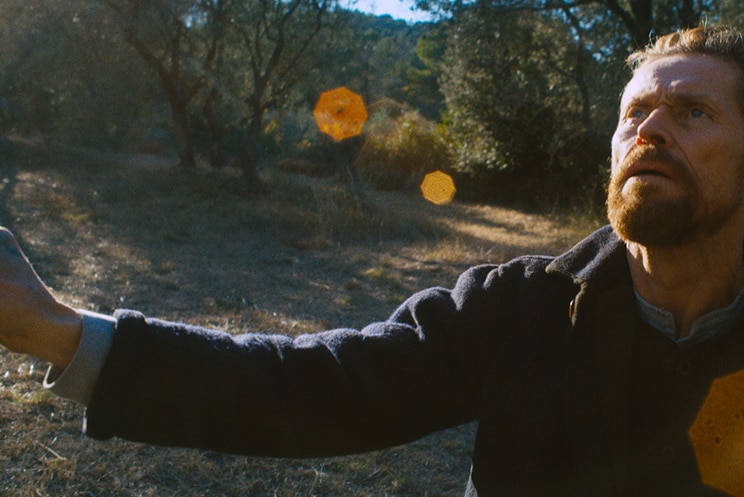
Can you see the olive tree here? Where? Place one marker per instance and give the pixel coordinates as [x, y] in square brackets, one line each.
[521, 90]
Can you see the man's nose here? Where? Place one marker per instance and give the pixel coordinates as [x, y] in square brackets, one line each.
[654, 130]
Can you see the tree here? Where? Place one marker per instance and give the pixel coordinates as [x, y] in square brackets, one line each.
[66, 73]
[364, 53]
[531, 85]
[423, 74]
[641, 19]
[274, 40]
[519, 94]
[162, 33]
[228, 61]
[730, 13]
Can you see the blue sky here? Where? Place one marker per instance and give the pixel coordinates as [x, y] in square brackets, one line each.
[399, 9]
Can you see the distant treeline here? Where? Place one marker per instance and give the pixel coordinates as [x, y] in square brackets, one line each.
[516, 99]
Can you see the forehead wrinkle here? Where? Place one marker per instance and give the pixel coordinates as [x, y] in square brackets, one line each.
[681, 89]
[694, 78]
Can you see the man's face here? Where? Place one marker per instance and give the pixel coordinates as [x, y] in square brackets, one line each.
[678, 151]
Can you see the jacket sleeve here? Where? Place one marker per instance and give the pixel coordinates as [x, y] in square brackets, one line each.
[336, 392]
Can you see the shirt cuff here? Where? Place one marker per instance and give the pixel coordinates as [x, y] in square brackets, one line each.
[77, 381]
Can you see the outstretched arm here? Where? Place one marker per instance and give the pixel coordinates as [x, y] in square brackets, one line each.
[32, 321]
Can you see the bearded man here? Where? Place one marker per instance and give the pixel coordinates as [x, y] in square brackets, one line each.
[584, 371]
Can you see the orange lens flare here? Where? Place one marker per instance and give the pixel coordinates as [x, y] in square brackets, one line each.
[717, 435]
[340, 113]
[438, 188]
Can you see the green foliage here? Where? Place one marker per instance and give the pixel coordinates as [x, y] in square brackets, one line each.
[519, 106]
[422, 76]
[637, 20]
[730, 13]
[66, 74]
[399, 146]
[367, 54]
[526, 91]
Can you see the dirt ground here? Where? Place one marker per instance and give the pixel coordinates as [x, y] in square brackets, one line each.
[107, 231]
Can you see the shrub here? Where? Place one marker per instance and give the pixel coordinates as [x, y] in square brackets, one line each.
[399, 147]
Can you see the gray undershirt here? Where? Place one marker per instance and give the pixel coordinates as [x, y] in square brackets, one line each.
[705, 327]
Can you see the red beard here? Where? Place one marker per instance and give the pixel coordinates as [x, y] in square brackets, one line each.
[642, 213]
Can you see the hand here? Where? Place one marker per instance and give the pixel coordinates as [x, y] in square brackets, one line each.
[32, 321]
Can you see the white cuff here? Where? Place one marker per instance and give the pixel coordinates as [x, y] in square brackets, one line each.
[77, 381]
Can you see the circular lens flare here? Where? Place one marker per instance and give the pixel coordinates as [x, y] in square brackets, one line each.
[438, 188]
[340, 113]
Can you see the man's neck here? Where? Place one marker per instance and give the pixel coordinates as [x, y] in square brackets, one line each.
[688, 280]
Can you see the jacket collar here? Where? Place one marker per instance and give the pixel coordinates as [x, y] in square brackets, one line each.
[599, 259]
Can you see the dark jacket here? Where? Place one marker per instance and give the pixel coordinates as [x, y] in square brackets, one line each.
[547, 354]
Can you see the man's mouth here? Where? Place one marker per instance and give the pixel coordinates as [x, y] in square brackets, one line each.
[650, 169]
[649, 172]
[647, 166]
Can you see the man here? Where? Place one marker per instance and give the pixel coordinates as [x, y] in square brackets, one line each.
[584, 371]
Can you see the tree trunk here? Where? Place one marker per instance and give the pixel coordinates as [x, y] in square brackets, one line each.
[177, 93]
[215, 129]
[182, 132]
[250, 152]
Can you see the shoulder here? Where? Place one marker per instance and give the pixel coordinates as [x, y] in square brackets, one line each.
[494, 277]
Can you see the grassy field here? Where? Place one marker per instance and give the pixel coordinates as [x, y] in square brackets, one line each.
[112, 230]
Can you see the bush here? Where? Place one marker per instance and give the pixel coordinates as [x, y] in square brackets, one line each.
[399, 147]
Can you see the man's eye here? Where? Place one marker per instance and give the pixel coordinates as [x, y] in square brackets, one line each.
[636, 114]
[697, 112]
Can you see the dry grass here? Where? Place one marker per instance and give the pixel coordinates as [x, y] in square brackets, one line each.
[111, 231]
